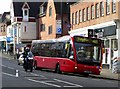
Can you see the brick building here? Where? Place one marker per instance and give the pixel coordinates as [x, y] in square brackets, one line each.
[104, 18]
[4, 22]
[53, 20]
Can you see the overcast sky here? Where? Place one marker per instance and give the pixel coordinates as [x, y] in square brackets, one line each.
[5, 5]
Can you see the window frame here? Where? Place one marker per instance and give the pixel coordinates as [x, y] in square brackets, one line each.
[102, 8]
[76, 17]
[107, 7]
[92, 12]
[25, 12]
[97, 10]
[84, 14]
[80, 16]
[72, 18]
[50, 11]
[113, 6]
[88, 13]
[42, 27]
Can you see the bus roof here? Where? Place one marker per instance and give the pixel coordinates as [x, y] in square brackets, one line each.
[61, 39]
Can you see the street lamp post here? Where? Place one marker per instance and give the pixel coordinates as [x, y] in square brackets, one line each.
[17, 37]
[61, 19]
[13, 27]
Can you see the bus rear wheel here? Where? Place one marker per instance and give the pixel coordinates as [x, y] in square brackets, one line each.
[57, 70]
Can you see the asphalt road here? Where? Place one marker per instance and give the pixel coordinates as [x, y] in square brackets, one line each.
[47, 78]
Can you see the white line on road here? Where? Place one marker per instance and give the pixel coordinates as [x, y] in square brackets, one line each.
[9, 74]
[44, 83]
[76, 85]
[37, 75]
[8, 67]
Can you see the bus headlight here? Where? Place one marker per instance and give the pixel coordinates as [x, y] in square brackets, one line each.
[75, 67]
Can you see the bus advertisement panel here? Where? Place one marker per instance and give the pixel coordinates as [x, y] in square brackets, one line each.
[74, 54]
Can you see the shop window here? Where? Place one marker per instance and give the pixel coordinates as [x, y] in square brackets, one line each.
[107, 43]
[114, 44]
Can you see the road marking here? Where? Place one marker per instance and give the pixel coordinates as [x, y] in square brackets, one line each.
[76, 85]
[8, 67]
[44, 83]
[9, 74]
[37, 75]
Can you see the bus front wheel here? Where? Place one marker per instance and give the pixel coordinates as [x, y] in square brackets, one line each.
[57, 70]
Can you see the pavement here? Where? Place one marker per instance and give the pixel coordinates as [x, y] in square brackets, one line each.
[105, 73]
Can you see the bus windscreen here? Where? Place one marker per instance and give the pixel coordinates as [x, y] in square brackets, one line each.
[88, 53]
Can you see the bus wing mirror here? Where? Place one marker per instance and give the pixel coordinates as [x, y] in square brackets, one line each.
[71, 57]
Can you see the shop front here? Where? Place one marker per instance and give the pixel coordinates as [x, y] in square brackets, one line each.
[108, 33]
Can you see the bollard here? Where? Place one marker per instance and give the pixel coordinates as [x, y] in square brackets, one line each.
[16, 73]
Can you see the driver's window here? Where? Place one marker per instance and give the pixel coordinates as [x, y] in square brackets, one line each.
[81, 53]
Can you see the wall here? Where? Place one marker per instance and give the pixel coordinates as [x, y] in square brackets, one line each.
[102, 19]
[30, 30]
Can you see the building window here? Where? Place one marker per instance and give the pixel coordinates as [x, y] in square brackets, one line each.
[113, 6]
[25, 29]
[41, 10]
[1, 28]
[108, 7]
[50, 11]
[92, 12]
[114, 44]
[97, 10]
[80, 15]
[25, 15]
[101, 8]
[25, 12]
[76, 17]
[72, 18]
[42, 27]
[4, 28]
[88, 13]
[84, 14]
[50, 30]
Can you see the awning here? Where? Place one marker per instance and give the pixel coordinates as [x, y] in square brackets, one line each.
[85, 29]
[2, 38]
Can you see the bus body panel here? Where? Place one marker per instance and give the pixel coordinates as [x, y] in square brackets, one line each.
[88, 69]
[66, 65]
